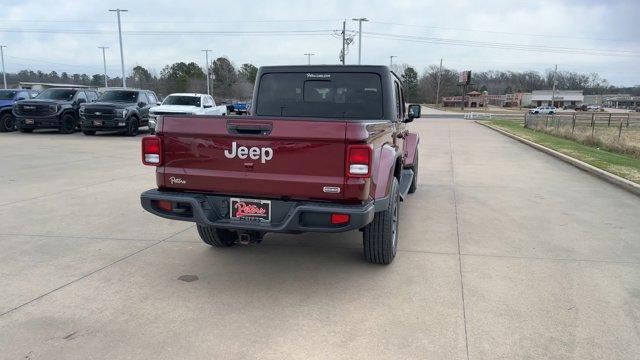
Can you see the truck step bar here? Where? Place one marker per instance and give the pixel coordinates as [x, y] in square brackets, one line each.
[405, 182]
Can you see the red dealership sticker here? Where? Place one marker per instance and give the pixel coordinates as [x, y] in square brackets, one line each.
[250, 210]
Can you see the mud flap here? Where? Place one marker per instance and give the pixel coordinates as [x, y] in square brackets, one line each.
[405, 182]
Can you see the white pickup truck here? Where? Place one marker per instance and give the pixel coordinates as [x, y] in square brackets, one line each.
[185, 103]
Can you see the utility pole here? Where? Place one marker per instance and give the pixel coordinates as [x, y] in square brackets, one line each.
[4, 73]
[118, 11]
[206, 59]
[104, 63]
[344, 39]
[438, 87]
[360, 20]
[553, 93]
[309, 58]
[391, 60]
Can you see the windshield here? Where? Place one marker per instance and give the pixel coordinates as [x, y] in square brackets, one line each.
[330, 95]
[57, 94]
[119, 96]
[182, 100]
[7, 94]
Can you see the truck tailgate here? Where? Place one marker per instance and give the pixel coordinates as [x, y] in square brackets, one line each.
[254, 157]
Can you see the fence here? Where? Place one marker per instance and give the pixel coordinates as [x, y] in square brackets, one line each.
[489, 116]
[616, 132]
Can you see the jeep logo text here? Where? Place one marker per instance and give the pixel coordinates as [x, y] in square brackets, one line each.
[264, 154]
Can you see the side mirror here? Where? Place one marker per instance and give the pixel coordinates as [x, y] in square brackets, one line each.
[414, 112]
[20, 98]
[158, 103]
[80, 101]
[142, 104]
[206, 106]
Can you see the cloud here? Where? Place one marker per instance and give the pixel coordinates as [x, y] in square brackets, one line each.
[566, 24]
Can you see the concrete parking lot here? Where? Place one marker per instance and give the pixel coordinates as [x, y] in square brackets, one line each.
[505, 253]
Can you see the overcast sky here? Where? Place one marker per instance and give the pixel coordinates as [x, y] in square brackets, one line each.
[64, 35]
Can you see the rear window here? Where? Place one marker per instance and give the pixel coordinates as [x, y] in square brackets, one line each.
[325, 95]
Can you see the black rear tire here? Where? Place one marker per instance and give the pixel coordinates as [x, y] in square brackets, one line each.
[67, 124]
[217, 237]
[380, 237]
[133, 127]
[6, 122]
[414, 182]
[89, 132]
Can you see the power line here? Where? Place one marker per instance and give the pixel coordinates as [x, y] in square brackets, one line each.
[167, 32]
[189, 21]
[501, 32]
[503, 46]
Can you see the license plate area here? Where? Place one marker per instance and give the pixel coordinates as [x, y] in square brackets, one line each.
[252, 210]
[28, 121]
[97, 123]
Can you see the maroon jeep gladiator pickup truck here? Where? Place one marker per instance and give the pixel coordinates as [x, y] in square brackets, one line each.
[325, 149]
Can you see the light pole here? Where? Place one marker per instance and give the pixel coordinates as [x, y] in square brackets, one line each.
[118, 11]
[438, 88]
[206, 59]
[309, 55]
[104, 63]
[553, 93]
[4, 73]
[360, 20]
[391, 60]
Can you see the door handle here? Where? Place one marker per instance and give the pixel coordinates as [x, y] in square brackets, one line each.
[249, 129]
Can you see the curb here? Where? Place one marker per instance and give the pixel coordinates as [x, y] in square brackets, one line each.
[604, 175]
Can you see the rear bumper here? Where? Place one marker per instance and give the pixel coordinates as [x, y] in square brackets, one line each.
[287, 216]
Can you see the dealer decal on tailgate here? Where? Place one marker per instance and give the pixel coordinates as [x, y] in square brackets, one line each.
[250, 210]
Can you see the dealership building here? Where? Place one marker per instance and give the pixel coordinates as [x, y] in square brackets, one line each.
[560, 98]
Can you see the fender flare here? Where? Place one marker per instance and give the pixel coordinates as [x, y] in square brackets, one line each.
[411, 149]
[386, 170]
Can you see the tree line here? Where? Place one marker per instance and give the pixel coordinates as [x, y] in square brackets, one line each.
[225, 80]
[424, 88]
[229, 82]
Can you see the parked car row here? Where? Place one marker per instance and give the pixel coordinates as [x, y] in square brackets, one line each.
[120, 110]
[7, 99]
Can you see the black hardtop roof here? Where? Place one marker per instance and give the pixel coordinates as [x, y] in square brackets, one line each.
[379, 69]
[325, 68]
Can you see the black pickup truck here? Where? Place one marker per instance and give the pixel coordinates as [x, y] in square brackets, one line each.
[55, 108]
[122, 110]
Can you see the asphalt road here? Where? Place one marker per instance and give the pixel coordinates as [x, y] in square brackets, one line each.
[505, 253]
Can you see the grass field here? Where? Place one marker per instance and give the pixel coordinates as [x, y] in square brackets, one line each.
[625, 166]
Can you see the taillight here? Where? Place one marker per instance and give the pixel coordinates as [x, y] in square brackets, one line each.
[359, 161]
[152, 150]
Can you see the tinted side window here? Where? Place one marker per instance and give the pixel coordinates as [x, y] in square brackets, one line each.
[398, 100]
